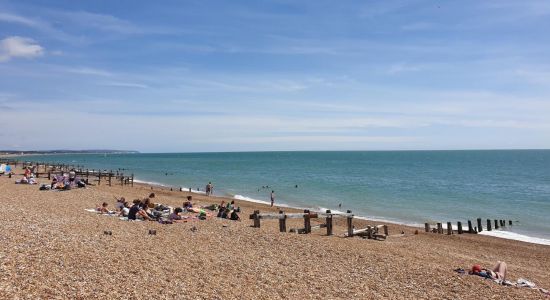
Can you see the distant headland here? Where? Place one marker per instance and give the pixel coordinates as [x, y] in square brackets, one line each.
[37, 152]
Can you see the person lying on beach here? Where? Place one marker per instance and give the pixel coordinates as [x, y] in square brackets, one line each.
[23, 180]
[120, 203]
[137, 211]
[498, 272]
[103, 208]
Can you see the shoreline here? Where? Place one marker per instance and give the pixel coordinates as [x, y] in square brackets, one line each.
[497, 233]
[503, 234]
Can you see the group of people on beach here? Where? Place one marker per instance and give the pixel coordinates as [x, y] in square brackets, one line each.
[145, 209]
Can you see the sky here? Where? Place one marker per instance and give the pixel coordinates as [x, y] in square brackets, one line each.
[194, 76]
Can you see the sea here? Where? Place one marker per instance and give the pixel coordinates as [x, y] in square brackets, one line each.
[405, 187]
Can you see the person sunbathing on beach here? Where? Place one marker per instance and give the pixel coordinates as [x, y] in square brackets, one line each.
[222, 213]
[187, 205]
[23, 180]
[498, 272]
[175, 216]
[103, 208]
[124, 210]
[137, 211]
[120, 203]
[234, 216]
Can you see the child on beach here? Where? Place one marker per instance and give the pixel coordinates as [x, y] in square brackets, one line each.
[103, 208]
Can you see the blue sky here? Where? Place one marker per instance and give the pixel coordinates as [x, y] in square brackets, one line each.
[178, 76]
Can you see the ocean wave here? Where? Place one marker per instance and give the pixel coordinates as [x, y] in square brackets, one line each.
[515, 236]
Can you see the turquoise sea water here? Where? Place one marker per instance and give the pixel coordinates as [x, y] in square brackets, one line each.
[410, 187]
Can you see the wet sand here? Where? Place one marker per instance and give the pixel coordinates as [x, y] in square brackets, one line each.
[50, 247]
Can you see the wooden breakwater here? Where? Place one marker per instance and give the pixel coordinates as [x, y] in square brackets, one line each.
[371, 232]
[438, 227]
[49, 170]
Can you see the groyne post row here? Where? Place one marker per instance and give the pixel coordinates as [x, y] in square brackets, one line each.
[60, 169]
[371, 232]
[471, 229]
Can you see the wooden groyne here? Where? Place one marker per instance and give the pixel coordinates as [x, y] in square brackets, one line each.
[371, 232]
[49, 170]
[438, 227]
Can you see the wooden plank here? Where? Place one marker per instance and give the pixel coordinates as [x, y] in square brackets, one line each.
[267, 216]
[328, 222]
[488, 225]
[470, 228]
[427, 227]
[479, 227]
[256, 219]
[449, 228]
[459, 227]
[307, 221]
[350, 224]
[282, 221]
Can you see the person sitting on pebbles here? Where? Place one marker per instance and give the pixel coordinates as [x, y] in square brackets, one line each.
[103, 208]
[187, 205]
[137, 211]
[176, 217]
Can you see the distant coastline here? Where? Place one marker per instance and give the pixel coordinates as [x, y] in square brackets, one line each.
[50, 152]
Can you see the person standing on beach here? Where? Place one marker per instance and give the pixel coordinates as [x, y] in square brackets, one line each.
[272, 198]
[209, 188]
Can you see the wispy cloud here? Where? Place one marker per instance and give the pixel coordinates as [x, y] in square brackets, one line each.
[87, 71]
[126, 85]
[402, 67]
[19, 47]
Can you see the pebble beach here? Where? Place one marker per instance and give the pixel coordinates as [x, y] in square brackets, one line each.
[51, 248]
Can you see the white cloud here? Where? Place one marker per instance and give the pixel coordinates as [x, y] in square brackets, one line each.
[12, 18]
[15, 46]
[400, 68]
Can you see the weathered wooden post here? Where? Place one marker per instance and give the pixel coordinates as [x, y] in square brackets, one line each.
[479, 227]
[449, 228]
[470, 228]
[282, 221]
[307, 221]
[328, 221]
[510, 222]
[459, 227]
[350, 223]
[439, 228]
[502, 223]
[496, 224]
[489, 225]
[386, 231]
[257, 219]
[49, 175]
[427, 227]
